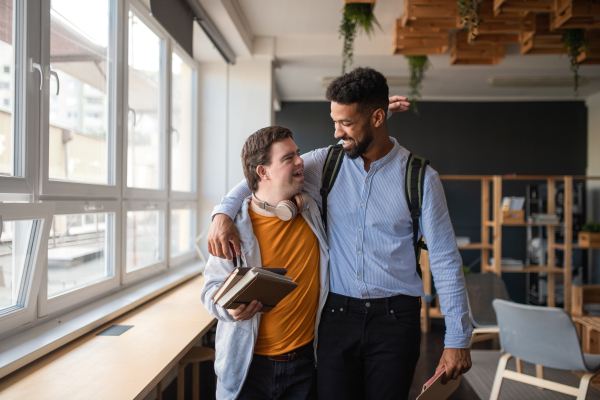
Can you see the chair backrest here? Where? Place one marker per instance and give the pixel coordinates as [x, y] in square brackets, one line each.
[482, 289]
[539, 335]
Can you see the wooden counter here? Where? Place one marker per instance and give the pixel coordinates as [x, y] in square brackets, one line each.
[118, 367]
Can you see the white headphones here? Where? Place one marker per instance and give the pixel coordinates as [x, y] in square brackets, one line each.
[286, 209]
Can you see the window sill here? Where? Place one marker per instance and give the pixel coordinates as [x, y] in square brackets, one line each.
[20, 349]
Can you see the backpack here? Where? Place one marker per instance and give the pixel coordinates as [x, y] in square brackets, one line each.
[413, 190]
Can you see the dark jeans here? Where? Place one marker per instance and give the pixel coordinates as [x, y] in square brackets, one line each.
[281, 380]
[368, 348]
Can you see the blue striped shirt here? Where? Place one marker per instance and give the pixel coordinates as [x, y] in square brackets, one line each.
[371, 236]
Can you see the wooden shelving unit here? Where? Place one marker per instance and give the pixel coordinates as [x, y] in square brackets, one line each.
[491, 235]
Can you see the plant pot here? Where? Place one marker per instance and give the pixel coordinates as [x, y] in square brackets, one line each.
[589, 239]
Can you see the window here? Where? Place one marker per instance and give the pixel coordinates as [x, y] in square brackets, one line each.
[14, 252]
[182, 123]
[145, 162]
[80, 57]
[7, 137]
[145, 238]
[82, 254]
[25, 227]
[183, 231]
[78, 249]
[59, 126]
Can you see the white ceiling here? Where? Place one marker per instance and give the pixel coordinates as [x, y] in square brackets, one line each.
[308, 48]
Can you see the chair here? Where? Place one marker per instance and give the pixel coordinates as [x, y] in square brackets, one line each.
[545, 336]
[195, 356]
[482, 289]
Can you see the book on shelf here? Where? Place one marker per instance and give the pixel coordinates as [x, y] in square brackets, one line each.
[508, 263]
[266, 285]
[544, 218]
[463, 241]
[513, 203]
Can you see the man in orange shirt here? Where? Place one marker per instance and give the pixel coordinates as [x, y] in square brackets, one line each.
[272, 355]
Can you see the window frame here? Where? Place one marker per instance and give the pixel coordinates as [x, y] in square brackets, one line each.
[20, 319]
[50, 187]
[192, 253]
[144, 14]
[193, 194]
[76, 297]
[151, 269]
[26, 101]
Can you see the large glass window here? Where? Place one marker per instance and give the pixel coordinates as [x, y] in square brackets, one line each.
[6, 88]
[144, 239]
[78, 251]
[79, 106]
[183, 231]
[15, 253]
[182, 106]
[144, 158]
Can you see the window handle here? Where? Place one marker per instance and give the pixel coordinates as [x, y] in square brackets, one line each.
[175, 132]
[54, 74]
[89, 207]
[32, 66]
[134, 116]
[151, 206]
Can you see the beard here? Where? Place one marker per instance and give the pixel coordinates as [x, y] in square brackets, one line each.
[360, 147]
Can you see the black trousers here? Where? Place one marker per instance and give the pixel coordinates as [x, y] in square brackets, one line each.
[368, 348]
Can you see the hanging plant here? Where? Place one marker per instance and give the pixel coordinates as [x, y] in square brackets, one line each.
[417, 66]
[575, 43]
[468, 10]
[355, 17]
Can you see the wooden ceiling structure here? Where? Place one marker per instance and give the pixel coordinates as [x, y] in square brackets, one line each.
[430, 27]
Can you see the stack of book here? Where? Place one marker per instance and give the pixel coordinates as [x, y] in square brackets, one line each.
[244, 285]
[508, 263]
[544, 218]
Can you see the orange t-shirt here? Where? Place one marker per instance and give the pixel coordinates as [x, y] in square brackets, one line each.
[292, 245]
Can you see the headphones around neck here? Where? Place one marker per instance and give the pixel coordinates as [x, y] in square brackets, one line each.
[286, 209]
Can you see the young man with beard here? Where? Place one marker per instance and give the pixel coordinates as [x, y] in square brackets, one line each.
[370, 326]
[272, 355]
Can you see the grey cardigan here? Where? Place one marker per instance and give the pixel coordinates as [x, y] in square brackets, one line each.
[235, 340]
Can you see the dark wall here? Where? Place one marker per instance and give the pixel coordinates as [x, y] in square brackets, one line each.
[469, 138]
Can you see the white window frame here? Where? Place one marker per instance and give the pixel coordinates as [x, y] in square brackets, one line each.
[76, 297]
[143, 14]
[191, 195]
[32, 275]
[26, 99]
[159, 266]
[49, 187]
[190, 254]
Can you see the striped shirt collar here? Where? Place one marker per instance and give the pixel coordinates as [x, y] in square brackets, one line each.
[383, 160]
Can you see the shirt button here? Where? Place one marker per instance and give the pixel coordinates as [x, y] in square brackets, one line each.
[358, 277]
[368, 304]
[360, 229]
[364, 296]
[367, 180]
[358, 252]
[362, 204]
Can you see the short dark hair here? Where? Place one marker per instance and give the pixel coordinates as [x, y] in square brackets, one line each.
[363, 86]
[257, 151]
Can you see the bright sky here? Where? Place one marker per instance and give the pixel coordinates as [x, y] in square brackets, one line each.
[89, 16]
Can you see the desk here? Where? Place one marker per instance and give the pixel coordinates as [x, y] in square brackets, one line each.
[118, 367]
[588, 327]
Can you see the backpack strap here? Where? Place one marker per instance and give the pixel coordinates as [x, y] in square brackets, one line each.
[414, 182]
[332, 166]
